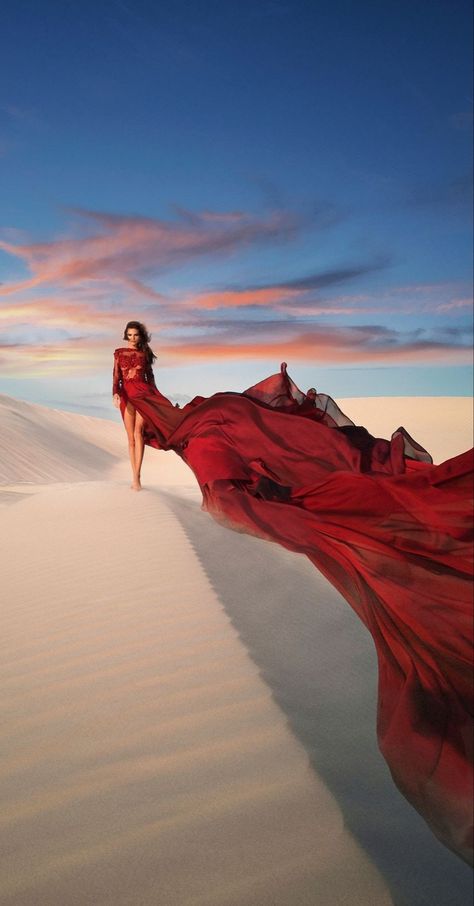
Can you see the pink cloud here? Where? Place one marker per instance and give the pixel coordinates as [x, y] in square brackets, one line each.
[454, 304]
[127, 249]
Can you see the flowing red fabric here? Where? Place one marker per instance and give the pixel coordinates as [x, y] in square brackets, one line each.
[390, 530]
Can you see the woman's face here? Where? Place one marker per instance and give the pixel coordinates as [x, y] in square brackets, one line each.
[133, 336]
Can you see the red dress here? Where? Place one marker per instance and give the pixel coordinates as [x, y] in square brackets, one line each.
[390, 530]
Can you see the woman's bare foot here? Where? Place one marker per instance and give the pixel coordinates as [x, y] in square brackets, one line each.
[135, 485]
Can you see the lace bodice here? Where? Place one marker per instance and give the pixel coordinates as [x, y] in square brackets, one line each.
[130, 365]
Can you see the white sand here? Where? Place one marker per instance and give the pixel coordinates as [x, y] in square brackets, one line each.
[188, 714]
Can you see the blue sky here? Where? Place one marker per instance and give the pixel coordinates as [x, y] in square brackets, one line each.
[257, 182]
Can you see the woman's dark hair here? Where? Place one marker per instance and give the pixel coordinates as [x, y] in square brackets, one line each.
[145, 338]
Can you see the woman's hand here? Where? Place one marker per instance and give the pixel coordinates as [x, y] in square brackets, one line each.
[116, 399]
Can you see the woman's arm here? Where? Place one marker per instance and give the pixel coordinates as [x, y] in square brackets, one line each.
[117, 376]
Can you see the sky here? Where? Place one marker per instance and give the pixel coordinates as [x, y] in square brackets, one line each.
[258, 182]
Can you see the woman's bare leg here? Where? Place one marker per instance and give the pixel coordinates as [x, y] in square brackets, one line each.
[139, 444]
[129, 419]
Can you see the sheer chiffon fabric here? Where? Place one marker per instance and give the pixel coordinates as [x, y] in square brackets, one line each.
[390, 530]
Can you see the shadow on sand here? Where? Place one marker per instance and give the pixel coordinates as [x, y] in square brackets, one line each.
[320, 664]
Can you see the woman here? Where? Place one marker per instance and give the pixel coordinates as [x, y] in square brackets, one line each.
[132, 363]
[133, 379]
[389, 529]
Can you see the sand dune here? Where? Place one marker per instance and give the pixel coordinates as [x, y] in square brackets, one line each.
[42, 445]
[177, 730]
[441, 424]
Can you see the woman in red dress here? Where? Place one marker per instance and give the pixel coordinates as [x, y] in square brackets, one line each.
[390, 530]
[133, 363]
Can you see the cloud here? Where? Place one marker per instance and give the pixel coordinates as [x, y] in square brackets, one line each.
[55, 312]
[73, 357]
[304, 295]
[280, 340]
[212, 340]
[339, 275]
[222, 318]
[90, 282]
[287, 291]
[129, 249]
[455, 305]
[293, 301]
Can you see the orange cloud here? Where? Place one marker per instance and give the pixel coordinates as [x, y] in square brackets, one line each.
[267, 296]
[54, 313]
[343, 346]
[306, 289]
[302, 297]
[277, 298]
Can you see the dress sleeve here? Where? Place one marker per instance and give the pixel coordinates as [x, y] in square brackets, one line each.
[149, 374]
[117, 380]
